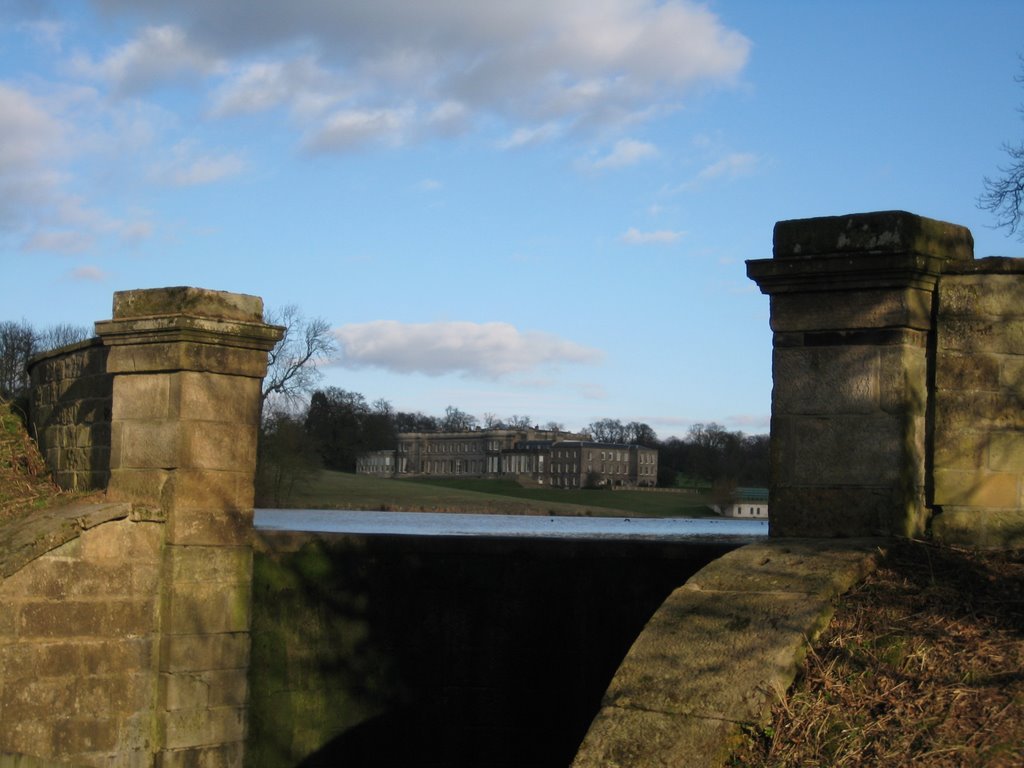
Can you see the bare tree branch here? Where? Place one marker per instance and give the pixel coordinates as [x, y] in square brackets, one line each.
[293, 363]
[1004, 196]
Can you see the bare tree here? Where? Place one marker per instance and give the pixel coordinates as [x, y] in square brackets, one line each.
[515, 421]
[19, 342]
[639, 433]
[61, 335]
[293, 364]
[17, 345]
[455, 420]
[1004, 195]
[608, 431]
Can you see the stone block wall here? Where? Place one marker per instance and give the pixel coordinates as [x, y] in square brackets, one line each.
[897, 381]
[125, 642]
[979, 404]
[79, 634]
[70, 414]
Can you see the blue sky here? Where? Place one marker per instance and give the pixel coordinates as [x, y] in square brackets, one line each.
[534, 208]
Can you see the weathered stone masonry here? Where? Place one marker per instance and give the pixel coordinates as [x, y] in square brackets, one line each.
[979, 403]
[71, 393]
[128, 644]
[898, 375]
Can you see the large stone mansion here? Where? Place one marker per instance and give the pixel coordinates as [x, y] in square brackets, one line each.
[545, 457]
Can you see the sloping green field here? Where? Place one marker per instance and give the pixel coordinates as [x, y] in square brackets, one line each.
[341, 490]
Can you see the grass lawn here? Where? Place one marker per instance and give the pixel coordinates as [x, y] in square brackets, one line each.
[341, 490]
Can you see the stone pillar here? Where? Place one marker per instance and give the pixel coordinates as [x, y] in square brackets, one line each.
[979, 405]
[852, 314]
[187, 366]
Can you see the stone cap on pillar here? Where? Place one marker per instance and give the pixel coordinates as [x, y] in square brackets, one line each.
[859, 251]
[184, 328]
[184, 300]
[878, 232]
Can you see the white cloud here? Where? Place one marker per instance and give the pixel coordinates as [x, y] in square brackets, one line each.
[445, 64]
[633, 236]
[626, 152]
[488, 350]
[158, 55]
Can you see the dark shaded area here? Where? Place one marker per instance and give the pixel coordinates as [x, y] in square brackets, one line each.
[402, 651]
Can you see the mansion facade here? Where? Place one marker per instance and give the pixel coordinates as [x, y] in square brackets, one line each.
[545, 457]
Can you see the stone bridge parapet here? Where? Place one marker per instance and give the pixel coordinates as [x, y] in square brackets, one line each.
[124, 637]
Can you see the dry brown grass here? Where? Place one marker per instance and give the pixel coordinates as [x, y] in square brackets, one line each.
[922, 664]
[25, 483]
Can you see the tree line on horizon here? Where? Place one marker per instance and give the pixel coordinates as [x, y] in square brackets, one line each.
[337, 426]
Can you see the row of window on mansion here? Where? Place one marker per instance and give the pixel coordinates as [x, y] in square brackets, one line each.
[560, 459]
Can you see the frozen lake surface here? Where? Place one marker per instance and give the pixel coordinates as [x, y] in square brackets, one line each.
[526, 526]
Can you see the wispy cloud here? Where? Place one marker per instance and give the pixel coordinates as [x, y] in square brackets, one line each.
[186, 167]
[750, 422]
[730, 166]
[29, 133]
[486, 350]
[348, 129]
[69, 242]
[626, 152]
[633, 236]
[526, 137]
[88, 274]
[45, 32]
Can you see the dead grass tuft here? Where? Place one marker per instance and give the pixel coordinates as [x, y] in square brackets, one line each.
[922, 664]
[25, 483]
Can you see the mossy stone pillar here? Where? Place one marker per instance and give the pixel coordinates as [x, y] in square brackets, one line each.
[852, 314]
[187, 366]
